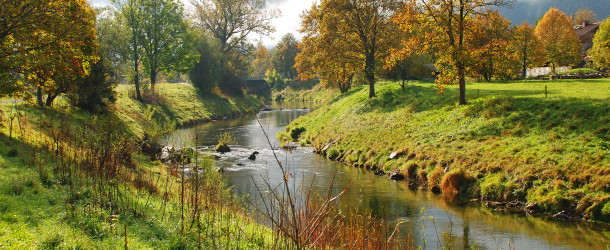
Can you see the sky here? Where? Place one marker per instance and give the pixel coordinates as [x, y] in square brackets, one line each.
[288, 22]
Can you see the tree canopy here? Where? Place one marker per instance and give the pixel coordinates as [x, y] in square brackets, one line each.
[284, 55]
[601, 46]
[232, 21]
[343, 37]
[440, 27]
[45, 44]
[556, 33]
[527, 47]
[165, 37]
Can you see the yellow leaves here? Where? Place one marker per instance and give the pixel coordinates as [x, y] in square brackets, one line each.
[558, 38]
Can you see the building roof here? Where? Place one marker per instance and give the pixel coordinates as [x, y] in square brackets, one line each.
[586, 32]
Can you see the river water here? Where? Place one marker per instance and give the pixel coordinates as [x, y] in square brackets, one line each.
[457, 225]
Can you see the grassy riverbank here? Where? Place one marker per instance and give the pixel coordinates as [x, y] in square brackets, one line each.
[70, 179]
[514, 141]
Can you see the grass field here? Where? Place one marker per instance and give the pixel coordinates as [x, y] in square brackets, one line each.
[69, 179]
[514, 141]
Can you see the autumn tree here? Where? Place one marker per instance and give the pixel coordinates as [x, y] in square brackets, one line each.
[45, 44]
[440, 27]
[284, 55]
[348, 35]
[600, 52]
[526, 47]
[585, 15]
[489, 39]
[165, 38]
[561, 46]
[262, 62]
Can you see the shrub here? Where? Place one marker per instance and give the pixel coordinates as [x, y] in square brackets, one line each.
[95, 91]
[333, 153]
[295, 133]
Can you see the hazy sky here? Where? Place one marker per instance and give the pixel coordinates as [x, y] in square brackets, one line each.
[288, 22]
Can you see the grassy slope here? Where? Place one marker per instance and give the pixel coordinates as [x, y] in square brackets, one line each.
[181, 104]
[35, 211]
[310, 91]
[510, 142]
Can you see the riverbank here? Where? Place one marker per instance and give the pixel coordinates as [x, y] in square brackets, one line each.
[515, 141]
[70, 179]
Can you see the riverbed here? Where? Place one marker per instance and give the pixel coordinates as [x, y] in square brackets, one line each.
[429, 219]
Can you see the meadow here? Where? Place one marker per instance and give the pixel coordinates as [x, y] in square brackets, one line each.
[542, 144]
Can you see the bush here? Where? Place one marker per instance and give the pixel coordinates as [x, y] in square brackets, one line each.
[295, 133]
[95, 91]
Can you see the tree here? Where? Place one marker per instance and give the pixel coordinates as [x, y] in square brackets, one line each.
[585, 15]
[360, 31]
[440, 27]
[96, 91]
[232, 21]
[561, 46]
[489, 39]
[45, 44]
[132, 13]
[284, 56]
[207, 72]
[527, 47]
[261, 63]
[601, 46]
[113, 39]
[165, 38]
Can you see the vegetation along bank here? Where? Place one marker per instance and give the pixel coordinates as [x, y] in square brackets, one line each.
[541, 146]
[74, 179]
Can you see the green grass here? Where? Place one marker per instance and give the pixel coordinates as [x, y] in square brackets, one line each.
[181, 104]
[579, 71]
[517, 143]
[304, 91]
[41, 208]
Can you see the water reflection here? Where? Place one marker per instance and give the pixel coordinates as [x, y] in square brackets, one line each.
[459, 225]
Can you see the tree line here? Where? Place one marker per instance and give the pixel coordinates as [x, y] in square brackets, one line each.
[469, 38]
[51, 48]
[65, 47]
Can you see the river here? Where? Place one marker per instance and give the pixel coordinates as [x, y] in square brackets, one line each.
[460, 225]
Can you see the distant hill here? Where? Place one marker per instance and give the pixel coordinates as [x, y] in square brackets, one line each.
[532, 10]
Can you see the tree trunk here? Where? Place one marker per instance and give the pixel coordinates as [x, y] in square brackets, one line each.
[369, 73]
[153, 78]
[39, 96]
[403, 85]
[462, 82]
[50, 99]
[136, 56]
